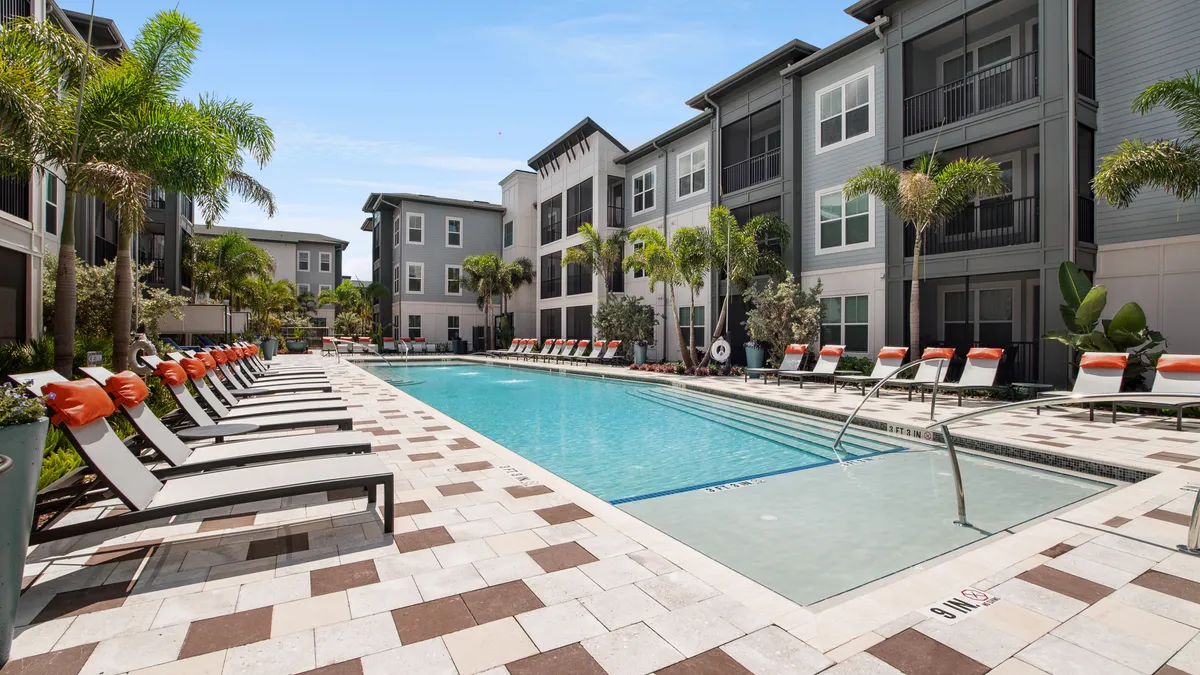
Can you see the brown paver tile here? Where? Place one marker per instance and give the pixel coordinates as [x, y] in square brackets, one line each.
[1169, 584]
[1172, 457]
[1057, 550]
[223, 632]
[497, 602]
[385, 448]
[345, 493]
[914, 653]
[1170, 670]
[422, 456]
[565, 513]
[62, 662]
[411, 508]
[573, 659]
[269, 548]
[440, 427]
[1169, 517]
[431, 619]
[521, 491]
[342, 577]
[123, 552]
[83, 601]
[463, 444]
[473, 466]
[1115, 522]
[421, 439]
[458, 489]
[561, 556]
[226, 522]
[429, 537]
[1069, 585]
[711, 662]
[351, 667]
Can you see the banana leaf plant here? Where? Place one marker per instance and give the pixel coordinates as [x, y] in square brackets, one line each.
[1085, 330]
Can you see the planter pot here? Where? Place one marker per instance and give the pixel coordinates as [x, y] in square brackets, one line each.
[639, 354]
[755, 356]
[297, 346]
[269, 347]
[24, 444]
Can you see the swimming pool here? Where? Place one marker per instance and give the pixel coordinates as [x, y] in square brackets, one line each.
[755, 488]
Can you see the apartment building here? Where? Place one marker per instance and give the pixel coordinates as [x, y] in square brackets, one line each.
[519, 239]
[419, 243]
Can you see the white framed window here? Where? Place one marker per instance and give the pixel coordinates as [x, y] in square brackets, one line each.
[414, 326]
[396, 231]
[325, 262]
[844, 111]
[692, 319]
[395, 278]
[844, 224]
[643, 191]
[845, 320]
[454, 232]
[692, 169]
[416, 278]
[453, 324]
[416, 228]
[508, 234]
[303, 288]
[302, 261]
[453, 279]
[324, 287]
[989, 316]
[637, 246]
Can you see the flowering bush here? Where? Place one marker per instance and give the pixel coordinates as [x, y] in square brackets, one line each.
[16, 408]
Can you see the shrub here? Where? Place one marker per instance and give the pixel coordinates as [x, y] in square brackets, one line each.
[626, 318]
[96, 286]
[17, 408]
[859, 363]
[783, 313]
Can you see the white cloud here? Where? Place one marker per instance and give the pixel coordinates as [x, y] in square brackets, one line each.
[310, 142]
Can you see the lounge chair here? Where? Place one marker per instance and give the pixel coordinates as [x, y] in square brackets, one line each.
[983, 364]
[825, 367]
[81, 409]
[928, 372]
[553, 348]
[1099, 373]
[581, 348]
[250, 397]
[1175, 374]
[887, 362]
[364, 344]
[512, 347]
[196, 370]
[570, 348]
[793, 358]
[257, 365]
[610, 352]
[389, 345]
[420, 346]
[239, 387]
[327, 346]
[546, 350]
[173, 375]
[523, 347]
[242, 361]
[593, 356]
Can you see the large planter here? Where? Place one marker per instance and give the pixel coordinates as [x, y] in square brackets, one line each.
[297, 346]
[269, 347]
[755, 357]
[24, 444]
[639, 354]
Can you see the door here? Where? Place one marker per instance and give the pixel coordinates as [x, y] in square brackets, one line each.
[988, 320]
[979, 80]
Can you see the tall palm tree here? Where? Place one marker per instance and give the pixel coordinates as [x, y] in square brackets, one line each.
[268, 299]
[926, 195]
[514, 275]
[1171, 165]
[597, 253]
[223, 266]
[354, 300]
[661, 264]
[691, 246]
[484, 275]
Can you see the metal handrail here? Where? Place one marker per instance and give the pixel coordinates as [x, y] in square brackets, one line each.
[5, 464]
[837, 441]
[370, 349]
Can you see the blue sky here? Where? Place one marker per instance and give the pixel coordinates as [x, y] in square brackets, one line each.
[446, 98]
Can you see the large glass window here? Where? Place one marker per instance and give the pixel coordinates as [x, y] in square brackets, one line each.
[452, 327]
[692, 319]
[842, 223]
[414, 326]
[552, 219]
[579, 323]
[551, 275]
[845, 320]
[579, 279]
[643, 191]
[579, 206]
[551, 323]
[693, 171]
[844, 111]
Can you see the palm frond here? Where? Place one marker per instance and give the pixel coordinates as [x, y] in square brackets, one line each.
[1165, 165]
[165, 49]
[249, 131]
[1180, 95]
[964, 180]
[882, 182]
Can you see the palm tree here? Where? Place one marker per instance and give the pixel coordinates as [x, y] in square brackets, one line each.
[691, 246]
[926, 195]
[514, 275]
[1170, 165]
[485, 275]
[597, 253]
[223, 266]
[661, 264]
[354, 300]
[267, 300]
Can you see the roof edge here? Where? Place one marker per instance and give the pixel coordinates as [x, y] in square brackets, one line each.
[851, 43]
[790, 48]
[696, 123]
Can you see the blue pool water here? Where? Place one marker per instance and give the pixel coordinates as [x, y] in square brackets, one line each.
[622, 440]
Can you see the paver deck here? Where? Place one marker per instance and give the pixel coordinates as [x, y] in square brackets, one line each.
[498, 566]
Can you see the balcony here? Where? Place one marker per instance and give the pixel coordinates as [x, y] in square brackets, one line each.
[1085, 72]
[988, 224]
[616, 216]
[997, 86]
[1086, 218]
[14, 197]
[14, 8]
[757, 169]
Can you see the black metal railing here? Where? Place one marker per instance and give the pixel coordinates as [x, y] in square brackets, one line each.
[991, 224]
[1020, 361]
[156, 198]
[999, 85]
[104, 251]
[1085, 65]
[14, 197]
[751, 171]
[1086, 216]
[14, 8]
[616, 216]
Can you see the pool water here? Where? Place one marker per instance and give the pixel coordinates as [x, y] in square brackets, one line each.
[755, 488]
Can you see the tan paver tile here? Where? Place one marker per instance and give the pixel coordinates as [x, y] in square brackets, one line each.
[298, 615]
[632, 650]
[196, 606]
[563, 585]
[447, 582]
[677, 589]
[207, 664]
[423, 658]
[508, 568]
[292, 653]
[136, 651]
[515, 542]
[383, 596]
[613, 572]
[560, 625]
[975, 638]
[694, 629]
[355, 638]
[1051, 654]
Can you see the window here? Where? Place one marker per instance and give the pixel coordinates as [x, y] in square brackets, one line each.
[987, 321]
[302, 261]
[579, 206]
[508, 234]
[416, 278]
[844, 321]
[844, 111]
[551, 323]
[317, 321]
[414, 326]
[692, 319]
[395, 278]
[637, 246]
[551, 275]
[452, 327]
[416, 228]
[51, 219]
[303, 288]
[552, 220]
[843, 224]
[324, 287]
[643, 191]
[454, 232]
[579, 279]
[692, 166]
[579, 323]
[743, 214]
[396, 231]
[453, 279]
[325, 262]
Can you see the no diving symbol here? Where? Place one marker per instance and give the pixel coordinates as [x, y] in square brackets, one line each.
[972, 594]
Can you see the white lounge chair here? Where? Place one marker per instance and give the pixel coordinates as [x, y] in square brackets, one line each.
[1174, 374]
[928, 372]
[251, 397]
[887, 362]
[825, 367]
[581, 349]
[610, 352]
[240, 386]
[570, 348]
[512, 347]
[196, 371]
[1099, 373]
[389, 345]
[551, 348]
[524, 348]
[327, 346]
[598, 347]
[793, 358]
[983, 364]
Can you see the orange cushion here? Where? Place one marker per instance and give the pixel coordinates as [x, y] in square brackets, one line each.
[127, 388]
[893, 352]
[207, 359]
[614, 343]
[1178, 363]
[987, 353]
[570, 343]
[1104, 360]
[171, 373]
[389, 339]
[584, 343]
[421, 339]
[938, 352]
[218, 355]
[77, 403]
[252, 349]
[194, 367]
[832, 351]
[795, 349]
[238, 353]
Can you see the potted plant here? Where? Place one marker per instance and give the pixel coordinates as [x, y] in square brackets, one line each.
[297, 344]
[639, 351]
[23, 440]
[269, 345]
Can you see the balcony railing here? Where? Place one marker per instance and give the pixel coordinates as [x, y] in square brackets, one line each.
[751, 171]
[991, 224]
[999, 85]
[616, 216]
[1085, 65]
[14, 8]
[14, 197]
[1086, 215]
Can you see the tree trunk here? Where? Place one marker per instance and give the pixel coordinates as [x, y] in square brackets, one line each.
[65, 295]
[122, 316]
[718, 330]
[687, 358]
[692, 324]
[914, 298]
